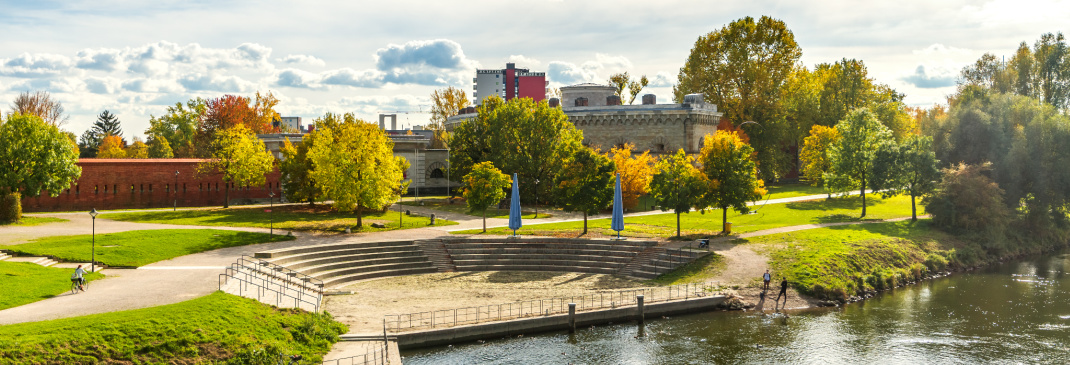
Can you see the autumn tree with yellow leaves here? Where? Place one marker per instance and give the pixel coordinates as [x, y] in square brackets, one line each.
[732, 174]
[636, 172]
[814, 156]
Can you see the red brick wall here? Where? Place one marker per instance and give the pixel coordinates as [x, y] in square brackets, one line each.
[533, 87]
[145, 183]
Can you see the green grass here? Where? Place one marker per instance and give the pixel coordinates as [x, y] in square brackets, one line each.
[697, 271]
[837, 262]
[218, 328]
[792, 190]
[696, 224]
[24, 282]
[139, 248]
[33, 221]
[460, 208]
[297, 217]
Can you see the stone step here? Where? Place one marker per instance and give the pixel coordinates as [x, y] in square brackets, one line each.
[536, 267]
[313, 270]
[285, 260]
[301, 265]
[540, 262]
[331, 274]
[616, 260]
[455, 252]
[636, 245]
[553, 246]
[346, 279]
[329, 247]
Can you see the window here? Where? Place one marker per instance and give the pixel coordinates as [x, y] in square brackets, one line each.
[437, 174]
[114, 189]
[96, 189]
[659, 146]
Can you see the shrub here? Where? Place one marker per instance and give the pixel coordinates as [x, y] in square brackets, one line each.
[968, 201]
[935, 262]
[11, 207]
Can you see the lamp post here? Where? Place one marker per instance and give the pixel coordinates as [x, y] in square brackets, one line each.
[401, 213]
[175, 208]
[448, 195]
[93, 264]
[271, 208]
[536, 199]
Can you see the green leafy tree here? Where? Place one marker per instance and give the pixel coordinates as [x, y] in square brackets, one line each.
[678, 185]
[907, 168]
[35, 157]
[160, 148]
[732, 175]
[853, 156]
[138, 149]
[179, 126]
[743, 68]
[521, 135]
[296, 171]
[355, 166]
[484, 186]
[968, 201]
[240, 157]
[585, 183]
[107, 124]
[622, 81]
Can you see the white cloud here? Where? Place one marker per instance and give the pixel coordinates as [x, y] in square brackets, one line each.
[35, 65]
[522, 61]
[438, 53]
[350, 77]
[301, 59]
[662, 79]
[567, 73]
[227, 84]
[931, 77]
[941, 50]
[102, 85]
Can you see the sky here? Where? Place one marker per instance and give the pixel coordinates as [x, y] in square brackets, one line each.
[134, 58]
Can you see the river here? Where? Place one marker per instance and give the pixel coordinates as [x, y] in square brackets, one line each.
[1016, 312]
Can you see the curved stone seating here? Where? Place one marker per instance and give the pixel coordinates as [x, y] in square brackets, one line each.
[339, 264]
[543, 254]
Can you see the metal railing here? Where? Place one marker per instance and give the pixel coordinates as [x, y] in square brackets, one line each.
[677, 257]
[260, 280]
[543, 307]
[376, 356]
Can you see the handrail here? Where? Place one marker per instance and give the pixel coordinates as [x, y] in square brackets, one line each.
[375, 357]
[542, 307]
[278, 294]
[258, 262]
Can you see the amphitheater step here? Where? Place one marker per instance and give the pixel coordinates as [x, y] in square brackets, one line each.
[4, 256]
[346, 279]
[341, 250]
[436, 251]
[331, 274]
[534, 267]
[43, 261]
[302, 265]
[644, 257]
[343, 264]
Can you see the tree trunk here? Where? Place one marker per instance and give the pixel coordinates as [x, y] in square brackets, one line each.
[863, 198]
[360, 216]
[226, 195]
[484, 221]
[678, 224]
[913, 209]
[724, 220]
[585, 222]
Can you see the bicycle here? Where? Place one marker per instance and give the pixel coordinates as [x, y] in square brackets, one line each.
[75, 285]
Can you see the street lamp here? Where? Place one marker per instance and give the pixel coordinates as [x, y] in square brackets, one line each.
[271, 208]
[536, 199]
[175, 208]
[93, 264]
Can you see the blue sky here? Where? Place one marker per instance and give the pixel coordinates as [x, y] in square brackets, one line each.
[133, 57]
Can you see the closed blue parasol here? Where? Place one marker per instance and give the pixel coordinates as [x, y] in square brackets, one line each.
[514, 208]
[618, 209]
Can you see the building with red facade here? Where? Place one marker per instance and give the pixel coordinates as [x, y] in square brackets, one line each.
[147, 183]
[509, 83]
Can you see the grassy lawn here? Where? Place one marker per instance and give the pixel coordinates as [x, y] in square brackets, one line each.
[792, 190]
[696, 225]
[218, 328]
[33, 221]
[24, 282]
[837, 262]
[298, 217]
[698, 271]
[139, 248]
[460, 208]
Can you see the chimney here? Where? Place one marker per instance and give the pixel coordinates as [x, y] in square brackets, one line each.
[581, 101]
[555, 102]
[612, 100]
[649, 99]
[694, 98]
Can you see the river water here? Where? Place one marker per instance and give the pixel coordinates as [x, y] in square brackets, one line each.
[1012, 313]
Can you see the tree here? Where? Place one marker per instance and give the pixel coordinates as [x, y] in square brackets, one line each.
[678, 185]
[484, 186]
[105, 125]
[35, 156]
[88, 144]
[222, 114]
[355, 167]
[635, 173]
[742, 68]
[266, 119]
[296, 171]
[585, 183]
[240, 157]
[814, 155]
[444, 104]
[852, 156]
[112, 147]
[908, 168]
[521, 135]
[41, 104]
[801, 98]
[968, 201]
[732, 175]
[623, 81]
[138, 149]
[160, 148]
[179, 126]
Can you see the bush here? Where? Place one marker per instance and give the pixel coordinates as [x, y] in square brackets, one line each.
[11, 207]
[935, 262]
[967, 201]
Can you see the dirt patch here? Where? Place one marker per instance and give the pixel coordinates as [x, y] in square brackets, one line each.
[364, 311]
[743, 266]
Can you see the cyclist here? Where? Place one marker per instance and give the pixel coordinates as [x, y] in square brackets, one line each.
[78, 279]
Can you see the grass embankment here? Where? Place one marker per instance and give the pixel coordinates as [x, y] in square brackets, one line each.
[297, 217]
[24, 282]
[460, 207]
[218, 328]
[697, 271]
[33, 221]
[698, 225]
[139, 248]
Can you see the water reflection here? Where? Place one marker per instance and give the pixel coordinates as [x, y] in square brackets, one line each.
[1014, 313]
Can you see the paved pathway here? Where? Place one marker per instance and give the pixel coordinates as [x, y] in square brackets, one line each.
[191, 276]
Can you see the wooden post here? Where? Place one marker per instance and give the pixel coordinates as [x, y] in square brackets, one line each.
[571, 317]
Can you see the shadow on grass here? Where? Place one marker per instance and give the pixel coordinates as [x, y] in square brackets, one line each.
[901, 229]
[850, 202]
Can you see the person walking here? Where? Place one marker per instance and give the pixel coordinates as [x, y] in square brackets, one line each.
[767, 278]
[77, 277]
[783, 291]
